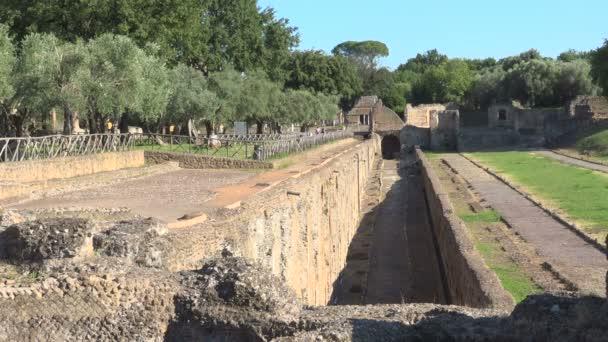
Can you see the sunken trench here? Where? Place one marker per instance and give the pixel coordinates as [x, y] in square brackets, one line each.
[409, 246]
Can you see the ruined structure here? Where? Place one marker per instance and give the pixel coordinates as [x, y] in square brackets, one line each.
[370, 111]
[265, 268]
[432, 126]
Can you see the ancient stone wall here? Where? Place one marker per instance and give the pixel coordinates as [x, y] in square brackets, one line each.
[469, 281]
[420, 116]
[195, 161]
[385, 119]
[61, 168]
[444, 129]
[104, 307]
[300, 229]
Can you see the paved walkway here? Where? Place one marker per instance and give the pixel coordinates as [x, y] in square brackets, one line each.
[571, 256]
[573, 161]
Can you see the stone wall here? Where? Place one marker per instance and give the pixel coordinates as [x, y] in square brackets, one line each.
[300, 229]
[385, 119]
[469, 281]
[105, 307]
[61, 168]
[420, 116]
[196, 161]
[444, 129]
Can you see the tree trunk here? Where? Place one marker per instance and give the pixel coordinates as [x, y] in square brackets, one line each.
[303, 128]
[68, 121]
[260, 127]
[209, 128]
[92, 124]
[99, 122]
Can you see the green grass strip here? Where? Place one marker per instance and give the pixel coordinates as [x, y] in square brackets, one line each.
[488, 216]
[511, 277]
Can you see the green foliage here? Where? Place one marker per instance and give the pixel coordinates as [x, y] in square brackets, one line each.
[318, 72]
[173, 24]
[7, 63]
[448, 82]
[154, 87]
[573, 55]
[365, 53]
[205, 34]
[599, 62]
[596, 144]
[190, 97]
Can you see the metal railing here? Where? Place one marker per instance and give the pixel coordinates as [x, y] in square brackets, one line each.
[257, 147]
[56, 146]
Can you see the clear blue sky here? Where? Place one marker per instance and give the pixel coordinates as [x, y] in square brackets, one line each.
[458, 28]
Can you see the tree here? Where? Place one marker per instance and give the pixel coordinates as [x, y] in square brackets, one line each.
[573, 79]
[599, 70]
[279, 39]
[191, 101]
[317, 72]
[510, 62]
[7, 65]
[175, 25]
[255, 104]
[112, 79]
[154, 88]
[488, 87]
[573, 55]
[422, 62]
[228, 87]
[448, 82]
[532, 82]
[365, 53]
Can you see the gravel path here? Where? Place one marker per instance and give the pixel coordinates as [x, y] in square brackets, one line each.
[167, 196]
[565, 251]
[573, 161]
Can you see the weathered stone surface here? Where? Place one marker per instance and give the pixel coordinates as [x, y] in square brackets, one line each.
[130, 239]
[197, 161]
[47, 239]
[233, 298]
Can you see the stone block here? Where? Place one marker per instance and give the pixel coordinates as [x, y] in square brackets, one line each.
[127, 239]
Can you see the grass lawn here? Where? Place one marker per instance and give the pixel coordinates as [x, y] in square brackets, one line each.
[580, 194]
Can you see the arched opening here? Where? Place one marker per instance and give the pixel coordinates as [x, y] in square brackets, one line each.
[391, 146]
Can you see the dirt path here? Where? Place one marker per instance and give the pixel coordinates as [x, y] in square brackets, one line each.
[566, 252]
[403, 263]
[573, 161]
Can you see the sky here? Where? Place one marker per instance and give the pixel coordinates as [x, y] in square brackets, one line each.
[457, 28]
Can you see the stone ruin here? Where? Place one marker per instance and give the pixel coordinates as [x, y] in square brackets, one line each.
[261, 272]
[443, 127]
[120, 295]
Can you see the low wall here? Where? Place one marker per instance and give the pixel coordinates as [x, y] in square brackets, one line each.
[60, 168]
[469, 281]
[196, 161]
[300, 229]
